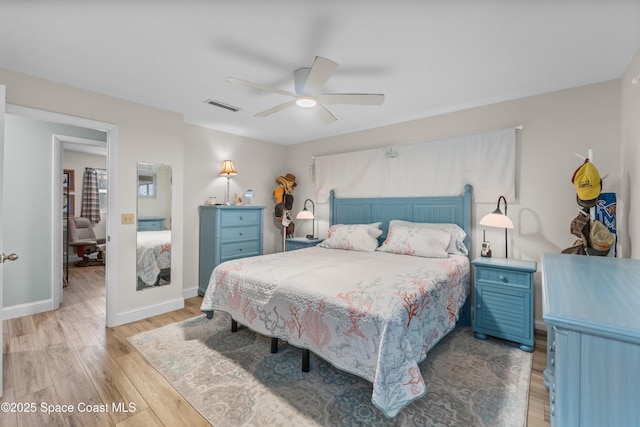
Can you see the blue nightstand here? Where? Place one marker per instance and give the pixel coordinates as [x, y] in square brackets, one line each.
[503, 290]
[294, 243]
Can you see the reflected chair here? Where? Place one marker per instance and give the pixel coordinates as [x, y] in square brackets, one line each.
[83, 238]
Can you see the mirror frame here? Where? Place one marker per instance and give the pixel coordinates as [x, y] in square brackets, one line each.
[153, 226]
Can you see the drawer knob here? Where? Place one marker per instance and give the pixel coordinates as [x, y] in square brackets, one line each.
[240, 233]
[241, 217]
[503, 278]
[240, 249]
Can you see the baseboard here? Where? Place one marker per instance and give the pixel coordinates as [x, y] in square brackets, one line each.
[28, 309]
[189, 293]
[146, 312]
[539, 325]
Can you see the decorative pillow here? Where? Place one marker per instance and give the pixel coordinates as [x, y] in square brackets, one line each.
[352, 237]
[418, 241]
[456, 243]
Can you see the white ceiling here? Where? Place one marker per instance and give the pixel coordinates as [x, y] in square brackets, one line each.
[427, 57]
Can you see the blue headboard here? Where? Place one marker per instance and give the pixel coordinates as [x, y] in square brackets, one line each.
[449, 209]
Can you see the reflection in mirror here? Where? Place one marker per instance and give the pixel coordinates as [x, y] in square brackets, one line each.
[153, 255]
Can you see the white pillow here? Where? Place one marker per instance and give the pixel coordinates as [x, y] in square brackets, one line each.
[352, 237]
[456, 243]
[417, 241]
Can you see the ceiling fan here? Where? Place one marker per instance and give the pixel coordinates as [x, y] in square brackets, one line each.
[308, 86]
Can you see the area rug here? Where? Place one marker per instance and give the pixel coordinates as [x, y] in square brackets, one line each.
[232, 379]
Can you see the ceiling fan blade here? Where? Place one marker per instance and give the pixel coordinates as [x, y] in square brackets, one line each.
[275, 109]
[320, 71]
[351, 98]
[324, 114]
[259, 86]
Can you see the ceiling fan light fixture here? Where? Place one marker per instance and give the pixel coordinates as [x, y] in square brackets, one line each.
[306, 102]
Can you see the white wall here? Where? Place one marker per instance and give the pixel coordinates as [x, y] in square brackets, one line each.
[78, 162]
[28, 156]
[556, 126]
[629, 201]
[258, 164]
[144, 134]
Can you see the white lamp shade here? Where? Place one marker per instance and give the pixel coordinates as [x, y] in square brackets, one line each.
[496, 220]
[305, 214]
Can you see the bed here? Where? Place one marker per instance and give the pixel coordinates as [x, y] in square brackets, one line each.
[153, 257]
[374, 314]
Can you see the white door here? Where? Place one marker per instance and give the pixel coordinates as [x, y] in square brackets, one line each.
[1, 220]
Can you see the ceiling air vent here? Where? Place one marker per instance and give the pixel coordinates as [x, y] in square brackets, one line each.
[222, 105]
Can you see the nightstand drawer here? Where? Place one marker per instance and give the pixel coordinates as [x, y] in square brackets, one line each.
[295, 243]
[239, 250]
[233, 217]
[494, 276]
[229, 234]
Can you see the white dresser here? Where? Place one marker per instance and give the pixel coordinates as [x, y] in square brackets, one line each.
[591, 306]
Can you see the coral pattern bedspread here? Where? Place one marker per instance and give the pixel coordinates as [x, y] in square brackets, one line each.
[153, 254]
[372, 314]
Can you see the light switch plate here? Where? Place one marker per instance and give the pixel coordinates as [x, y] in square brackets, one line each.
[128, 218]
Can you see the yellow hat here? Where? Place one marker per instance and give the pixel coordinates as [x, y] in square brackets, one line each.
[588, 184]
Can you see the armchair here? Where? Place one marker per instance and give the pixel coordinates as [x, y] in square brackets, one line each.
[83, 238]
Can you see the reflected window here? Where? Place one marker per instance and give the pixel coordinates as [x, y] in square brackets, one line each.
[102, 189]
[147, 185]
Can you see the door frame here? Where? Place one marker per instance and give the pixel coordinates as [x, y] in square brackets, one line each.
[111, 267]
[60, 144]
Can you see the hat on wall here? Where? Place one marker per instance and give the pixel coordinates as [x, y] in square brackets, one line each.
[588, 184]
[288, 182]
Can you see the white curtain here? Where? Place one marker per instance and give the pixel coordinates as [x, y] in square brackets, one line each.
[433, 168]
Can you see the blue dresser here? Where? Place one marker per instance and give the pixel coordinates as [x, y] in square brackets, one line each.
[226, 233]
[150, 223]
[591, 306]
[503, 291]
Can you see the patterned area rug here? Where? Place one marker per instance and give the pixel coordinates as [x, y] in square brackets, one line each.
[234, 380]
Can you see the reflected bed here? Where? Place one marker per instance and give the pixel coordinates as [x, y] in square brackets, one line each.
[153, 258]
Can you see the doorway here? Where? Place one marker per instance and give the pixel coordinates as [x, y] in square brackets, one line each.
[45, 254]
[82, 157]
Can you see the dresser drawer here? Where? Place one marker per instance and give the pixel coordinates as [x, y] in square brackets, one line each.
[239, 250]
[150, 224]
[232, 217]
[512, 278]
[249, 232]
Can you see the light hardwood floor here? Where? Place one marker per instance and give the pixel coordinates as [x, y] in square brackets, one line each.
[68, 357]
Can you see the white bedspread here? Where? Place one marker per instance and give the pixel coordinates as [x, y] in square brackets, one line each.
[372, 314]
[153, 254]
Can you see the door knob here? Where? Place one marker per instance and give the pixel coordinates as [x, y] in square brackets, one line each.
[10, 257]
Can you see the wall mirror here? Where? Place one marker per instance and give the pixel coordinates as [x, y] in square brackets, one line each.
[153, 236]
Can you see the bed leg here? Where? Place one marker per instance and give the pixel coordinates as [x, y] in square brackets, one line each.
[209, 314]
[274, 345]
[305, 360]
[234, 326]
